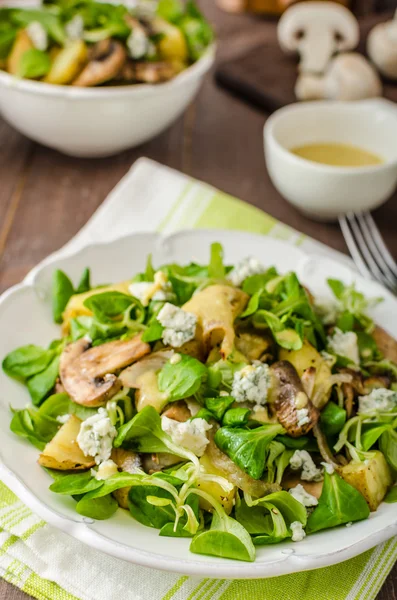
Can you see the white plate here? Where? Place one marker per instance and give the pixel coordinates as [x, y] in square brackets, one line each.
[25, 317]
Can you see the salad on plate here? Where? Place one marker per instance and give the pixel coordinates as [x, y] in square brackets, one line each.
[86, 43]
[221, 403]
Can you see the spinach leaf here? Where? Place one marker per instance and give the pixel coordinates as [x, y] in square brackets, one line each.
[62, 291]
[218, 406]
[354, 303]
[295, 443]
[391, 496]
[181, 529]
[183, 379]
[97, 508]
[285, 336]
[226, 538]
[388, 445]
[115, 482]
[332, 419]
[34, 64]
[145, 509]
[371, 435]
[47, 19]
[236, 417]
[107, 305]
[216, 268]
[144, 433]
[37, 429]
[75, 484]
[248, 448]
[41, 384]
[170, 10]
[7, 38]
[255, 283]
[367, 346]
[269, 518]
[154, 332]
[196, 29]
[26, 361]
[275, 450]
[339, 503]
[84, 284]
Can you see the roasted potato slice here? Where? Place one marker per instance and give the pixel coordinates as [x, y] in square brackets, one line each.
[68, 63]
[372, 478]
[172, 44]
[63, 452]
[21, 45]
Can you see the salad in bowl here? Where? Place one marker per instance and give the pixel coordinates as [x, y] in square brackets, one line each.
[86, 43]
[221, 403]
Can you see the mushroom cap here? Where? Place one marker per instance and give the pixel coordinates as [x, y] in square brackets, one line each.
[87, 374]
[317, 30]
[349, 77]
[382, 47]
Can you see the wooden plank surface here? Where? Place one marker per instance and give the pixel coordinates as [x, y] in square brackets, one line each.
[46, 197]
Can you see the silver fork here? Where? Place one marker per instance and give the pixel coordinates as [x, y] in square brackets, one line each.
[368, 249]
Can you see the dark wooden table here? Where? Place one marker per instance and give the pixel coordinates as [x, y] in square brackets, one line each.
[46, 197]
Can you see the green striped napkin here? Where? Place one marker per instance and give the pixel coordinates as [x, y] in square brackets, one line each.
[50, 565]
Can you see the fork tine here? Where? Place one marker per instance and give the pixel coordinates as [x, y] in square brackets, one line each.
[380, 243]
[351, 244]
[377, 255]
[365, 252]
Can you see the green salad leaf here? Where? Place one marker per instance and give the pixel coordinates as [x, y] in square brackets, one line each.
[339, 503]
[182, 379]
[248, 448]
[97, 508]
[388, 445]
[332, 419]
[34, 64]
[226, 538]
[391, 497]
[236, 417]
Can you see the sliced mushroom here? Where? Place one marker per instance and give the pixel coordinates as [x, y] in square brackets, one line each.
[386, 343]
[129, 462]
[288, 396]
[376, 381]
[317, 31]
[178, 411]
[108, 58]
[146, 72]
[153, 463]
[87, 374]
[308, 380]
[351, 389]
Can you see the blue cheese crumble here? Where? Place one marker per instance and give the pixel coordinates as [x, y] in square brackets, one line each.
[298, 533]
[75, 28]
[245, 268]
[301, 495]
[137, 43]
[38, 35]
[252, 384]
[301, 459]
[190, 434]
[105, 470]
[344, 344]
[159, 290]
[96, 436]
[379, 400]
[179, 325]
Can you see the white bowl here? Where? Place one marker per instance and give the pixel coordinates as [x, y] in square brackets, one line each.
[324, 191]
[26, 317]
[98, 121]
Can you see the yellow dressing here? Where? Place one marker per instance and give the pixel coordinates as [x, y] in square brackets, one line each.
[338, 155]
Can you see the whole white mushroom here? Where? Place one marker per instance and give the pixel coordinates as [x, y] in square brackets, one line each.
[382, 47]
[317, 31]
[349, 76]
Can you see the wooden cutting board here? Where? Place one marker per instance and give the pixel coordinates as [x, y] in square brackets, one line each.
[266, 77]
